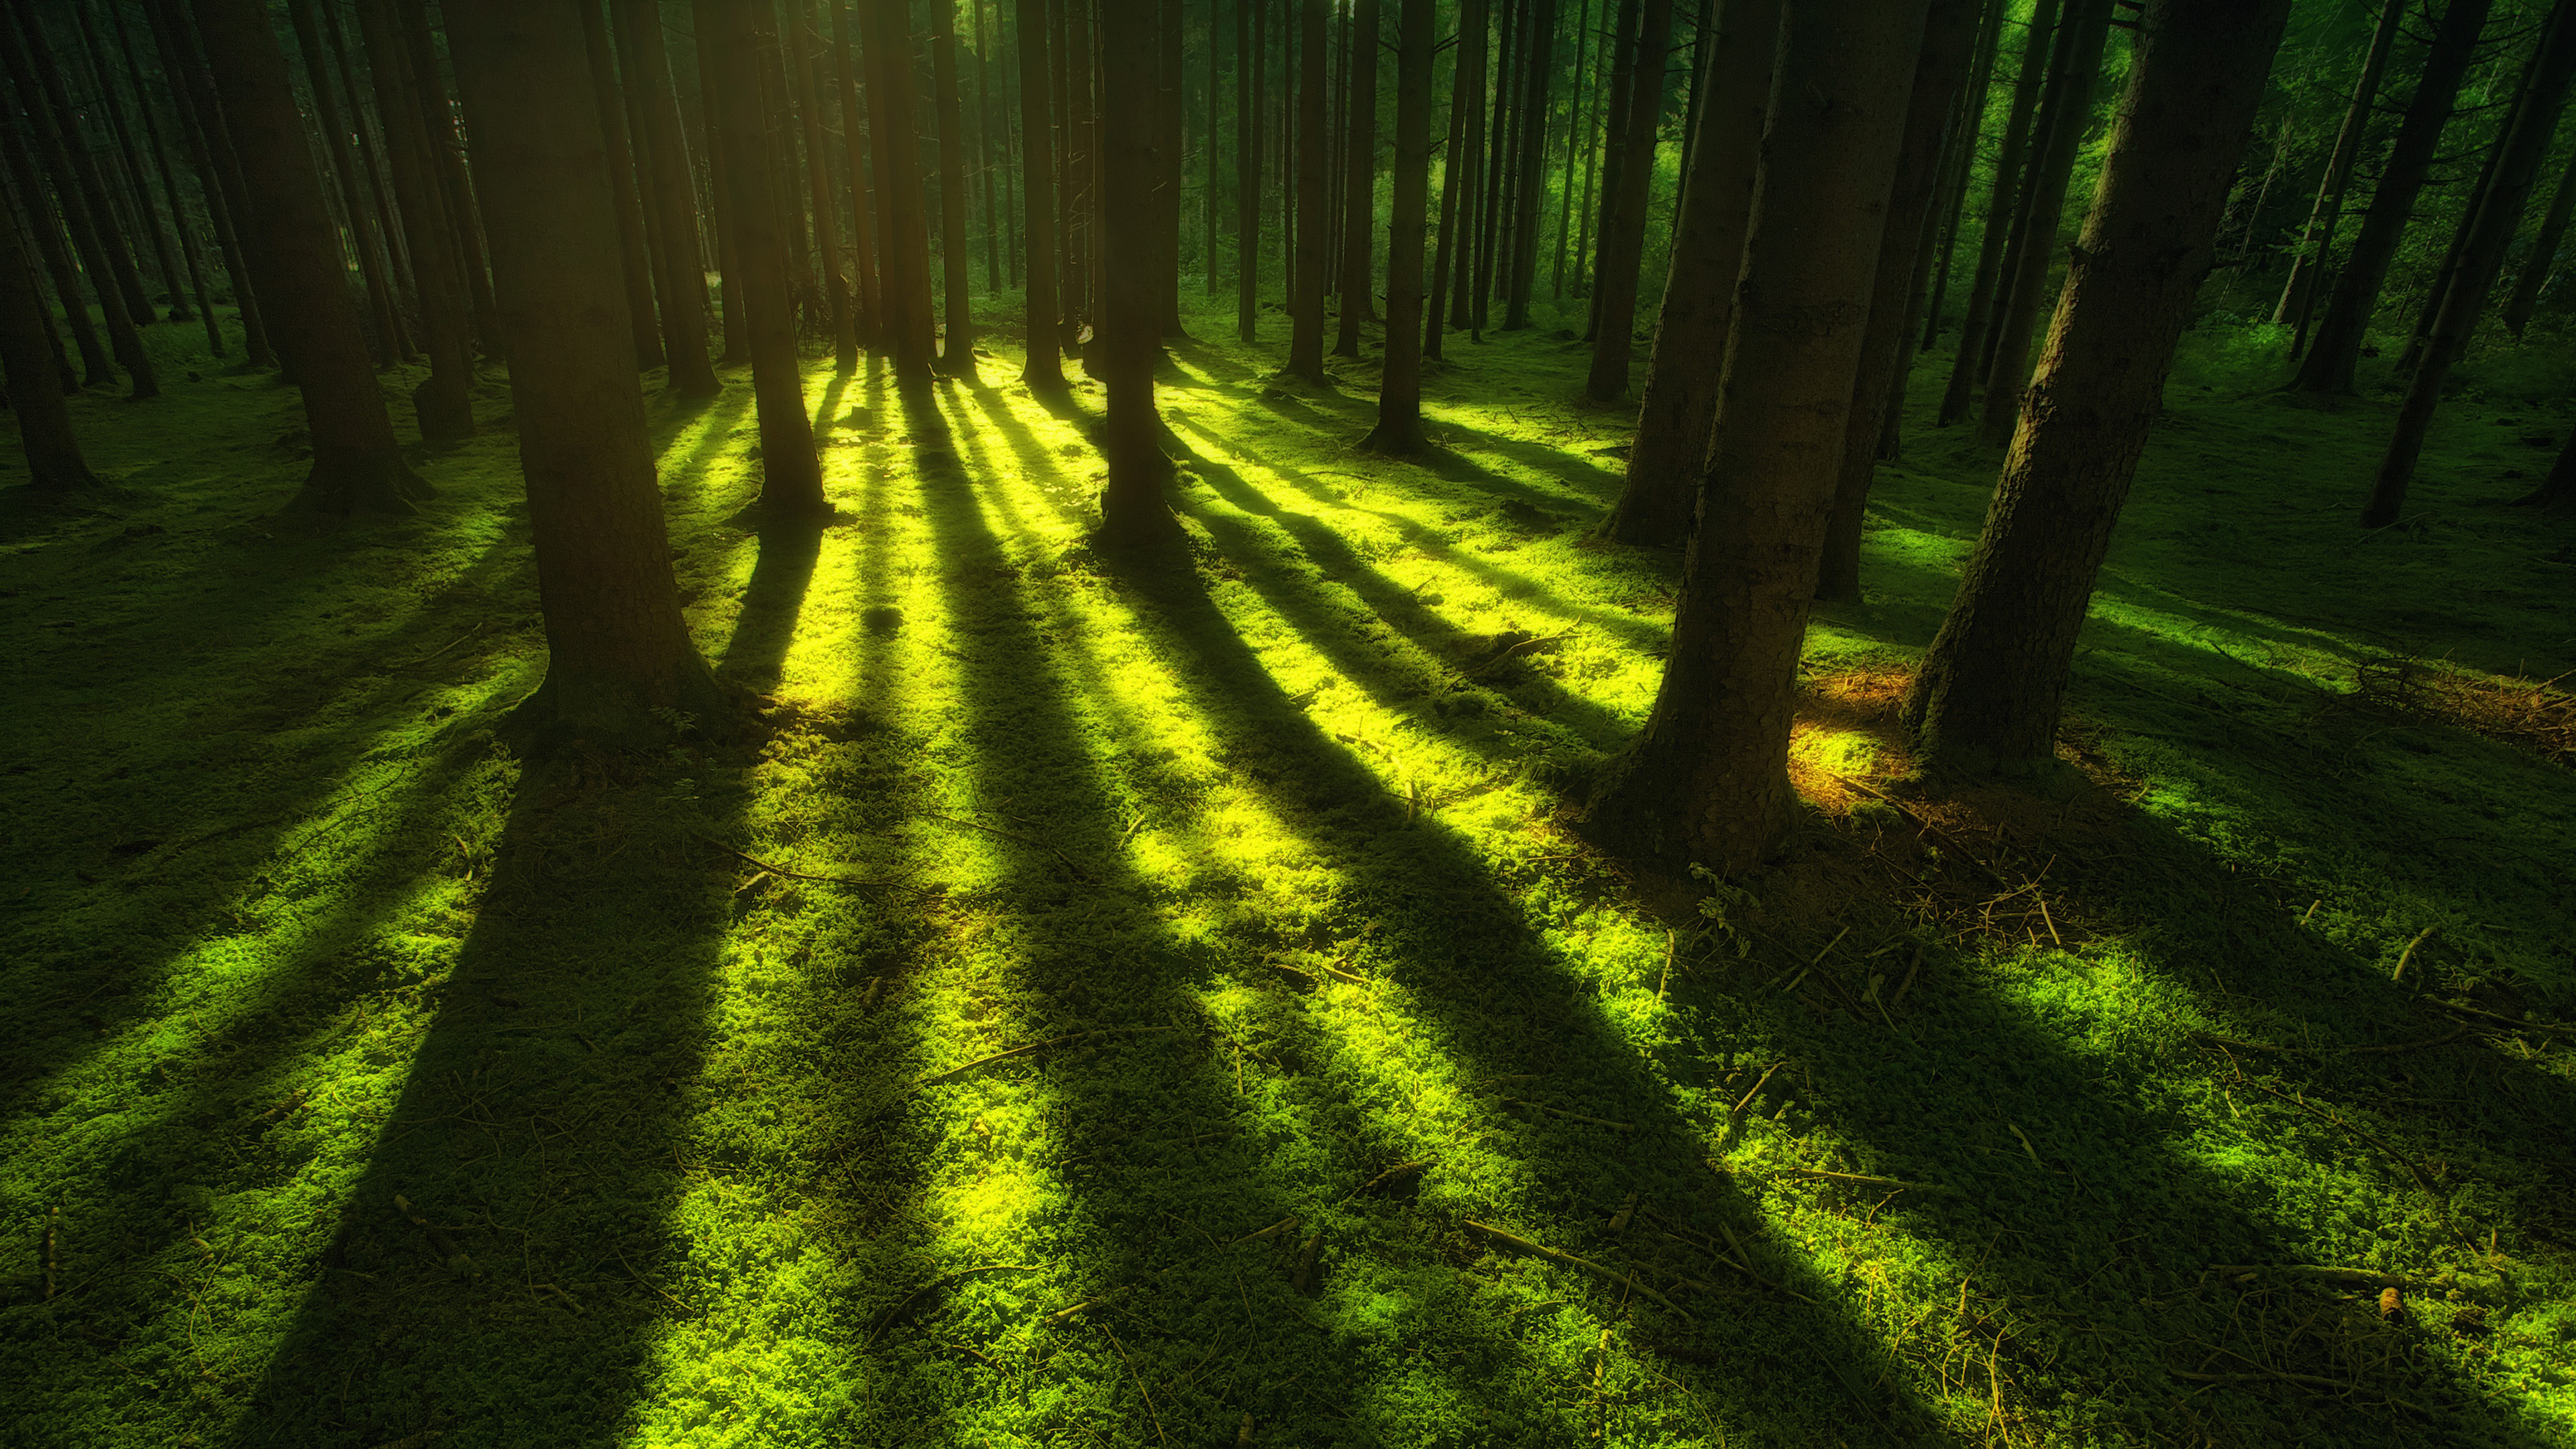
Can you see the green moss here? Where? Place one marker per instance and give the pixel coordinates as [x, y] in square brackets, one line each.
[1270, 850]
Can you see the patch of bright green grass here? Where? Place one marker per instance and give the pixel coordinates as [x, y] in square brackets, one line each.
[1264, 852]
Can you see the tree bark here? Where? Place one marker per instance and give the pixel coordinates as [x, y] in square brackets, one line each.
[81, 168]
[145, 215]
[1463, 166]
[619, 658]
[1493, 198]
[634, 254]
[1708, 781]
[54, 460]
[672, 194]
[1541, 47]
[1171, 144]
[986, 122]
[955, 246]
[866, 289]
[791, 476]
[357, 466]
[335, 131]
[1251, 29]
[1623, 218]
[1976, 324]
[1399, 394]
[210, 150]
[444, 402]
[1306, 314]
[2335, 353]
[2485, 240]
[2316, 238]
[1961, 166]
[1665, 463]
[1990, 692]
[1133, 510]
[903, 258]
[1614, 155]
[92, 234]
[803, 42]
[98, 370]
[1948, 36]
[2537, 264]
[447, 160]
[169, 180]
[1044, 371]
[1359, 181]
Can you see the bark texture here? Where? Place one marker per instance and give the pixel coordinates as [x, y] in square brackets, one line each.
[1314, 240]
[1133, 510]
[444, 401]
[53, 451]
[1043, 369]
[670, 197]
[1623, 211]
[1399, 394]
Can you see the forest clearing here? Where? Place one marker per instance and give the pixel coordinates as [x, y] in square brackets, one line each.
[1079, 920]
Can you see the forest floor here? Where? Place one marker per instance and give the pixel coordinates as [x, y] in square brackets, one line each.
[1106, 1002]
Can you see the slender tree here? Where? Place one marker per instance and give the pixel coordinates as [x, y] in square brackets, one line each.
[634, 252]
[357, 466]
[1359, 178]
[47, 225]
[1623, 215]
[210, 152]
[2486, 237]
[1576, 130]
[670, 194]
[1306, 305]
[1043, 371]
[1665, 464]
[903, 256]
[54, 461]
[866, 284]
[78, 166]
[956, 250]
[381, 303]
[147, 220]
[1532, 185]
[1399, 393]
[1958, 398]
[1251, 23]
[1708, 781]
[1458, 168]
[802, 42]
[1133, 509]
[2316, 238]
[444, 401]
[1989, 696]
[2540, 261]
[179, 219]
[447, 162]
[91, 234]
[619, 659]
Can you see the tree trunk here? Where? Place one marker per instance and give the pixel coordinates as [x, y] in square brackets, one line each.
[169, 180]
[1965, 137]
[619, 658]
[1467, 92]
[786, 189]
[985, 124]
[2559, 488]
[380, 202]
[1436, 301]
[357, 466]
[2486, 238]
[54, 460]
[956, 248]
[671, 196]
[1577, 131]
[867, 295]
[903, 257]
[447, 159]
[791, 476]
[1989, 695]
[1171, 141]
[1492, 196]
[335, 131]
[1044, 372]
[2544, 252]
[1708, 781]
[1614, 154]
[1088, 242]
[1251, 30]
[1399, 394]
[2064, 116]
[81, 170]
[210, 150]
[634, 253]
[2316, 239]
[802, 43]
[1976, 324]
[1948, 36]
[1623, 217]
[1306, 315]
[145, 215]
[2335, 354]
[92, 234]
[1359, 181]
[1541, 47]
[444, 402]
[1133, 510]
[1207, 141]
[98, 370]
[1670, 454]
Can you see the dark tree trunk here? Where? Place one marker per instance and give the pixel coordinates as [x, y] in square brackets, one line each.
[1976, 324]
[1436, 300]
[1043, 372]
[98, 370]
[1207, 142]
[2559, 488]
[1465, 167]
[791, 476]
[1989, 695]
[169, 181]
[344, 166]
[1082, 237]
[1960, 163]
[2536, 265]
[903, 258]
[1614, 154]
[1576, 130]
[634, 253]
[444, 403]
[1133, 510]
[2486, 238]
[357, 466]
[1665, 464]
[719, 206]
[1251, 29]
[2316, 239]
[447, 156]
[986, 122]
[818, 183]
[1306, 305]
[80, 169]
[619, 657]
[1493, 198]
[210, 150]
[672, 192]
[2335, 353]
[1359, 181]
[866, 288]
[1532, 187]
[91, 232]
[1623, 217]
[54, 460]
[778, 109]
[1399, 394]
[1708, 781]
[1171, 140]
[955, 247]
[2026, 294]
[144, 214]
[380, 201]
[1948, 36]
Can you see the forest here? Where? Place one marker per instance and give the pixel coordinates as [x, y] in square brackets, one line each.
[1288, 722]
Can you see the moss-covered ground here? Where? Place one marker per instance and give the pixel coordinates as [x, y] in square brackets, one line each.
[1110, 1001]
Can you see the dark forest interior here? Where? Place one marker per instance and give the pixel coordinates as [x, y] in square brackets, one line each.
[1302, 722]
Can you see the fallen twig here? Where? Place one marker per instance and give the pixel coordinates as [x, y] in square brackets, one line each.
[1862, 1178]
[911, 1304]
[1570, 1116]
[2408, 1046]
[1029, 840]
[2422, 1180]
[1031, 1048]
[2409, 954]
[780, 870]
[2516, 1023]
[1559, 1255]
[2362, 1277]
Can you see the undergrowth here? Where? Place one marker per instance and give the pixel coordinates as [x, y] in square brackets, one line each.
[1112, 1000]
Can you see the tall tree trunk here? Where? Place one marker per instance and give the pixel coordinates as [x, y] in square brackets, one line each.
[1533, 164]
[1081, 191]
[1961, 163]
[1306, 314]
[1399, 393]
[1493, 198]
[81, 168]
[1623, 216]
[2316, 238]
[818, 181]
[2003, 203]
[1948, 36]
[148, 219]
[2064, 116]
[866, 289]
[1251, 29]
[357, 466]
[619, 658]
[2536, 266]
[178, 208]
[635, 253]
[2335, 353]
[380, 202]
[1452, 181]
[1708, 781]
[1133, 510]
[90, 231]
[1467, 159]
[2486, 239]
[1171, 140]
[791, 476]
[1577, 129]
[1665, 463]
[1207, 143]
[455, 183]
[1614, 153]
[1043, 372]
[903, 256]
[2559, 488]
[444, 402]
[1359, 180]
[47, 225]
[956, 248]
[54, 460]
[1990, 692]
[985, 124]
[218, 167]
[737, 343]
[335, 131]
[671, 194]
